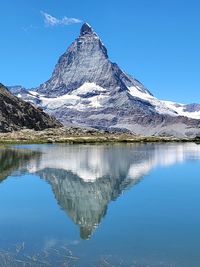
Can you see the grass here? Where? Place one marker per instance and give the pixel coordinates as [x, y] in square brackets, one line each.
[80, 136]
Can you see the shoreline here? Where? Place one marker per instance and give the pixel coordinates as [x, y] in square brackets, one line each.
[82, 136]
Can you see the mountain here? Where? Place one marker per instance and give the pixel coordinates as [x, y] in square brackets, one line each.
[18, 90]
[16, 114]
[87, 89]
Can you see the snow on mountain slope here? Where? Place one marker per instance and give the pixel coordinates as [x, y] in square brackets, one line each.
[92, 96]
[182, 110]
[87, 88]
[163, 106]
[87, 96]
[160, 106]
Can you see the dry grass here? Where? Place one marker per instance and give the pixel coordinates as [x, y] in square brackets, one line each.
[76, 135]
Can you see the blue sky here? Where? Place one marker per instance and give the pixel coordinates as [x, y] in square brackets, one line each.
[156, 41]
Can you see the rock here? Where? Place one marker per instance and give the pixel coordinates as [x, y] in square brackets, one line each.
[16, 114]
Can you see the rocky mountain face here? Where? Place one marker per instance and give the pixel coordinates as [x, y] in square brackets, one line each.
[87, 89]
[86, 61]
[16, 114]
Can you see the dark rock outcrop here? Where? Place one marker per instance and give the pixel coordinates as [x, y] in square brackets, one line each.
[16, 114]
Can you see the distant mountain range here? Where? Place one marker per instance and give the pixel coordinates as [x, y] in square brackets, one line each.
[16, 114]
[87, 89]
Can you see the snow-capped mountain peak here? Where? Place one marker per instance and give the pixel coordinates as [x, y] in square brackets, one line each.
[87, 89]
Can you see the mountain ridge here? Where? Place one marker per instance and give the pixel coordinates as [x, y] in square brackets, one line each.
[16, 114]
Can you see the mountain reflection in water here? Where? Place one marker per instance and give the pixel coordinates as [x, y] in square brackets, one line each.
[12, 159]
[85, 178]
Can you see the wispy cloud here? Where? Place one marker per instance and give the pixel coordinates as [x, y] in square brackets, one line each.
[49, 20]
[30, 27]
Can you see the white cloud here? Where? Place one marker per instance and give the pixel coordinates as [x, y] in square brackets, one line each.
[53, 21]
[30, 27]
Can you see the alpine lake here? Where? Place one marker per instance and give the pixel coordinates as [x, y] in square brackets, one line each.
[117, 205]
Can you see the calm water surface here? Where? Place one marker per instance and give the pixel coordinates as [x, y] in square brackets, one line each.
[100, 205]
